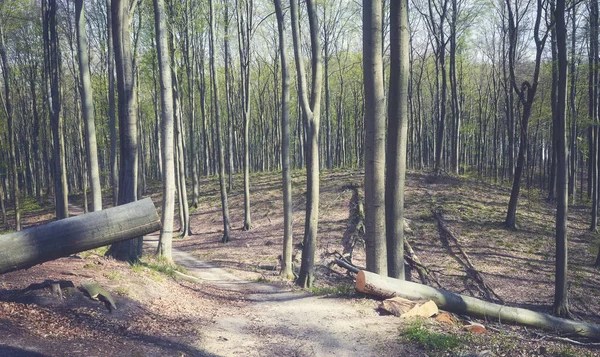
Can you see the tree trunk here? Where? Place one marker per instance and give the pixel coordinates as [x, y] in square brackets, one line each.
[112, 121]
[397, 140]
[130, 250]
[11, 130]
[244, 23]
[374, 284]
[46, 242]
[215, 86]
[311, 113]
[166, 99]
[286, 261]
[375, 237]
[561, 304]
[53, 65]
[87, 107]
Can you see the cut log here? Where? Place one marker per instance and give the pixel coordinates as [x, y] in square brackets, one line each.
[371, 283]
[39, 244]
[407, 308]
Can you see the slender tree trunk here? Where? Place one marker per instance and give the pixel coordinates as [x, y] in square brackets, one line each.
[167, 125]
[244, 23]
[215, 86]
[593, 113]
[128, 179]
[375, 237]
[112, 121]
[52, 50]
[561, 304]
[311, 112]
[11, 130]
[397, 140]
[286, 261]
[87, 107]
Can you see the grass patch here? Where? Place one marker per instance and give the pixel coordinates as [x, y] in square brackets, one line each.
[431, 341]
[115, 275]
[339, 290]
[97, 251]
[157, 265]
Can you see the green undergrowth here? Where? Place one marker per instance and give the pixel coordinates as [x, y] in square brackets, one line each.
[431, 341]
[156, 265]
[337, 290]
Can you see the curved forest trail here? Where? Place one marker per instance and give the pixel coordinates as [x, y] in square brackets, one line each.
[275, 321]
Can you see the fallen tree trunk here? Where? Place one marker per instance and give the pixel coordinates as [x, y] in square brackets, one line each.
[371, 283]
[61, 238]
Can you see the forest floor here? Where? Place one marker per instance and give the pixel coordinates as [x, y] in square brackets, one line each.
[241, 306]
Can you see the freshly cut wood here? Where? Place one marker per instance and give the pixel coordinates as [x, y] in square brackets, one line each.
[426, 309]
[407, 308]
[61, 238]
[371, 283]
[398, 305]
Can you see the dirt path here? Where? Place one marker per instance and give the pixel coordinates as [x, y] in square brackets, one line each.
[277, 321]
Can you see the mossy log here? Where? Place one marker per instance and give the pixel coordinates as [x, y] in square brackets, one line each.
[39, 244]
[374, 284]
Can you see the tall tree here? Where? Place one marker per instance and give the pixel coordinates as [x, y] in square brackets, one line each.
[561, 304]
[311, 113]
[375, 238]
[397, 138]
[166, 99]
[593, 81]
[219, 140]
[286, 261]
[87, 107]
[112, 121]
[53, 75]
[525, 92]
[11, 129]
[244, 10]
[129, 250]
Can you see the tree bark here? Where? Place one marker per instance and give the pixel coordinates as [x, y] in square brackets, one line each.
[128, 179]
[286, 261]
[87, 107]
[561, 304]
[375, 237]
[52, 50]
[397, 139]
[112, 121]
[244, 23]
[311, 111]
[11, 130]
[166, 98]
[374, 284]
[215, 86]
[43, 243]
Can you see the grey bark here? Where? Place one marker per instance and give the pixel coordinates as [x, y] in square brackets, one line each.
[561, 304]
[87, 107]
[375, 237]
[244, 23]
[11, 130]
[43, 243]
[167, 126]
[286, 261]
[397, 138]
[311, 112]
[121, 15]
[215, 87]
[112, 121]
[465, 305]
[53, 64]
